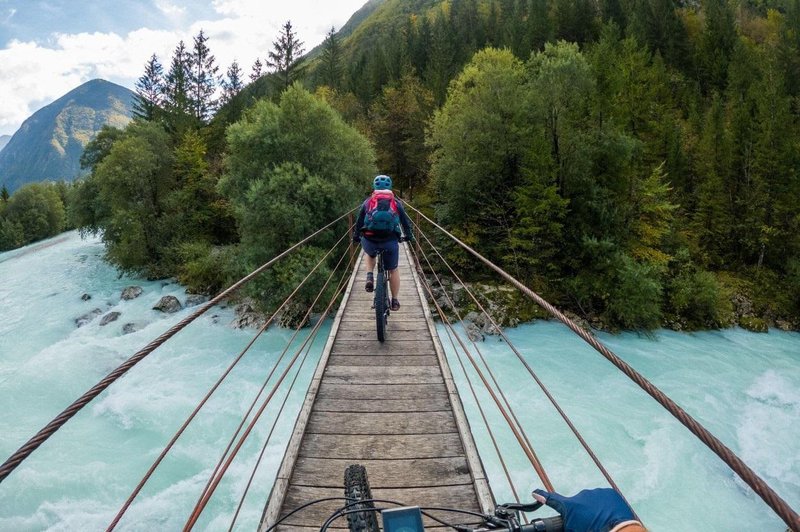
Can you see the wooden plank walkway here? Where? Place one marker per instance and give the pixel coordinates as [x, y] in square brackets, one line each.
[392, 407]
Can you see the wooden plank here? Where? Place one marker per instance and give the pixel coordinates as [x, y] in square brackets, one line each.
[410, 347]
[392, 336]
[385, 405]
[369, 324]
[440, 403]
[380, 423]
[410, 313]
[380, 391]
[459, 497]
[383, 360]
[383, 375]
[408, 473]
[365, 447]
[480, 481]
[278, 491]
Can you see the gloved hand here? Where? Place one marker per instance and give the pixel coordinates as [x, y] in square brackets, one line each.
[595, 510]
[356, 239]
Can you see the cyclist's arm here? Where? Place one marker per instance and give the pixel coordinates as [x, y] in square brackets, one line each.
[405, 221]
[359, 223]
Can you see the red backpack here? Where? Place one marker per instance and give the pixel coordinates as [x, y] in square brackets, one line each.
[382, 217]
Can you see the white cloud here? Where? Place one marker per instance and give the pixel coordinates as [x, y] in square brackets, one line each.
[170, 8]
[36, 74]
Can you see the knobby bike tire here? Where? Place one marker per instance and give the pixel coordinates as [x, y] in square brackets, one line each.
[380, 304]
[356, 487]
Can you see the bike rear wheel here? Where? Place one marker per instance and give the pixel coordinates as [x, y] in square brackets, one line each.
[356, 488]
[381, 303]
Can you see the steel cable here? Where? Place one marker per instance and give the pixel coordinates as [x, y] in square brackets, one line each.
[216, 480]
[767, 494]
[275, 422]
[528, 452]
[275, 367]
[527, 366]
[480, 355]
[213, 389]
[40, 437]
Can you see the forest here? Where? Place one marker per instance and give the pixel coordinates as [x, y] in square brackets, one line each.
[634, 161]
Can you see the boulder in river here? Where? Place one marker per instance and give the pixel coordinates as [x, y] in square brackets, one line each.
[247, 316]
[131, 328]
[168, 304]
[86, 297]
[131, 292]
[108, 318]
[86, 318]
[192, 300]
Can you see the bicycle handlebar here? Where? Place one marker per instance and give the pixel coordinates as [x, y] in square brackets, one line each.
[541, 524]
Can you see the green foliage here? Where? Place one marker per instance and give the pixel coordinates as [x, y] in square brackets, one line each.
[291, 168]
[206, 269]
[634, 299]
[133, 183]
[397, 125]
[38, 210]
[12, 234]
[699, 299]
[479, 148]
[301, 128]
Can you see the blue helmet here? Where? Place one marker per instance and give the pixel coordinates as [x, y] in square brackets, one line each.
[382, 182]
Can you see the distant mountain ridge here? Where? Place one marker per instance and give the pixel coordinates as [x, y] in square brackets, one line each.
[4, 140]
[49, 144]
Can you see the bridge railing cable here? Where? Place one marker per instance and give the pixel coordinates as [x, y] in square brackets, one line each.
[767, 494]
[527, 450]
[257, 464]
[280, 358]
[275, 366]
[198, 509]
[525, 443]
[217, 384]
[37, 440]
[519, 356]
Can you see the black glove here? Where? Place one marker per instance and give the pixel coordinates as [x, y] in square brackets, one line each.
[356, 239]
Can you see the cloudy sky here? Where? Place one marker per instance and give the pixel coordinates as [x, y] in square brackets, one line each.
[49, 47]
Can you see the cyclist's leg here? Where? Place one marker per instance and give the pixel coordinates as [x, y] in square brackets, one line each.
[391, 256]
[370, 251]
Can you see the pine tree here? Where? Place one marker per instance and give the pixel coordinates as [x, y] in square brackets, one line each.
[176, 88]
[232, 83]
[4, 195]
[719, 40]
[149, 97]
[202, 79]
[539, 25]
[257, 71]
[286, 56]
[331, 61]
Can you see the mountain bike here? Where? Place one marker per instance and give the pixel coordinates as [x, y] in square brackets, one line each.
[361, 513]
[382, 303]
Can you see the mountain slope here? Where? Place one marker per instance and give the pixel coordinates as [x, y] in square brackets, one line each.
[49, 144]
[4, 140]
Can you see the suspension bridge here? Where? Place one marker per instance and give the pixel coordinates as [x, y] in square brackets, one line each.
[391, 406]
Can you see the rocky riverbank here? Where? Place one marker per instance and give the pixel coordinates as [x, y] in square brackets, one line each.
[509, 307]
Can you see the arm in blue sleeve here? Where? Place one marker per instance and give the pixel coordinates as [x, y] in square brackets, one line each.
[359, 223]
[405, 221]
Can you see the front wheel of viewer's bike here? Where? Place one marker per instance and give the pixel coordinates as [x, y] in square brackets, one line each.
[380, 305]
[356, 488]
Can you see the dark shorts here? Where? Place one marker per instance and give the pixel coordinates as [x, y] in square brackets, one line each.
[391, 254]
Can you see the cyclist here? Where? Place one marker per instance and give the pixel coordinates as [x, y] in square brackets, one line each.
[378, 228]
[595, 510]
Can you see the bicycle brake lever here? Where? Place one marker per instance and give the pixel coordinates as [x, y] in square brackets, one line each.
[532, 507]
